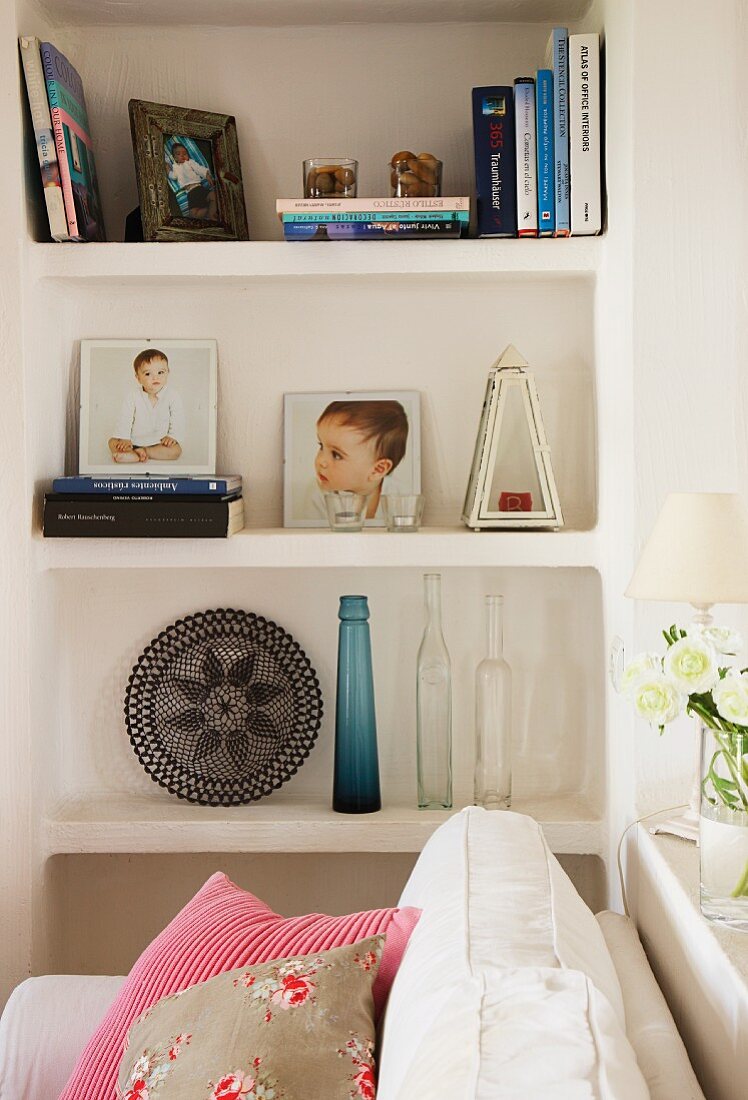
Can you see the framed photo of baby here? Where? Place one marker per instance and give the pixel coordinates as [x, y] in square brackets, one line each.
[363, 442]
[148, 407]
[188, 172]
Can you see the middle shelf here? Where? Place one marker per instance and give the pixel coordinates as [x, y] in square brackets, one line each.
[273, 548]
[136, 824]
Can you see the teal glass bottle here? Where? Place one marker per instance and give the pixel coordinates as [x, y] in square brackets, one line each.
[356, 782]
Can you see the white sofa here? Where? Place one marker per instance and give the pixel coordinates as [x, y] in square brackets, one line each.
[510, 989]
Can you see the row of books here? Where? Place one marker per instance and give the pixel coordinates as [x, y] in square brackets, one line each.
[63, 143]
[374, 218]
[152, 507]
[538, 146]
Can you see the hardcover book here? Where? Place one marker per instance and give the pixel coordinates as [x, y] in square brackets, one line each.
[527, 168]
[544, 121]
[379, 230]
[300, 217]
[584, 133]
[123, 519]
[46, 150]
[149, 486]
[67, 108]
[495, 172]
[331, 205]
[558, 60]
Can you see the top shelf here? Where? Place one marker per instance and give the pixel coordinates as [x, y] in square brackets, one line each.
[275, 13]
[239, 262]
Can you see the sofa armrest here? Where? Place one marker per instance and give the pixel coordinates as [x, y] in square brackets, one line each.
[46, 1023]
[650, 1028]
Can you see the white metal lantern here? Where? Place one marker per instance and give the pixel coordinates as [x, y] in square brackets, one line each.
[511, 481]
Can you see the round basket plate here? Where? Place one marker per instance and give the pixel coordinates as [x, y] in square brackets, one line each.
[223, 707]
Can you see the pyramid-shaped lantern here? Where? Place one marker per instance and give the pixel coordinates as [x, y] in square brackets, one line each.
[511, 482]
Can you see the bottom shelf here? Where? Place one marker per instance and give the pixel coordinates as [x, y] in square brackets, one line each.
[137, 824]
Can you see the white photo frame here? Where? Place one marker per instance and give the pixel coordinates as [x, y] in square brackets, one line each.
[303, 502]
[110, 394]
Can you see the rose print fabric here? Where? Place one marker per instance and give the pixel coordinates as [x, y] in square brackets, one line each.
[284, 1030]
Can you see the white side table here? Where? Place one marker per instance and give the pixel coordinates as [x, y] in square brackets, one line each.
[701, 968]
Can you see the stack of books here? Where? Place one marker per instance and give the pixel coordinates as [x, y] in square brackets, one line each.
[148, 507]
[538, 146]
[63, 143]
[332, 219]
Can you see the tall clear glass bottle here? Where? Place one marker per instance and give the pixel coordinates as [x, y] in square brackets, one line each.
[434, 705]
[493, 717]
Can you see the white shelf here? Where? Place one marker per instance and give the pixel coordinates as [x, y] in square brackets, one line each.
[277, 548]
[240, 262]
[137, 824]
[236, 13]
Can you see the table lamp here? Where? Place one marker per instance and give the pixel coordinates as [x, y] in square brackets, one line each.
[697, 553]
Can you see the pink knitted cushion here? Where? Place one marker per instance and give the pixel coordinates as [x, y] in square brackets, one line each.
[220, 929]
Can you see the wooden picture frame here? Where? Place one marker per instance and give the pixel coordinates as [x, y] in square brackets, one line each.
[202, 196]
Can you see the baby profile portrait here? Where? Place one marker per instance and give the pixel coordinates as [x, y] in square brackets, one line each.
[367, 443]
[148, 407]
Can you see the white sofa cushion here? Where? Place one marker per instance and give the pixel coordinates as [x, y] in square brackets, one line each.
[506, 972]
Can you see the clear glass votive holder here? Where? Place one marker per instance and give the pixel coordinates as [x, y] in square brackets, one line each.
[330, 178]
[413, 177]
[403, 512]
[345, 511]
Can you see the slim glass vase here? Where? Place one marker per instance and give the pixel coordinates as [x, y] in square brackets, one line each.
[493, 717]
[356, 781]
[723, 827]
[434, 707]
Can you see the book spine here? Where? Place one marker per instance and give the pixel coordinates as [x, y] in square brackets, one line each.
[495, 171]
[135, 519]
[337, 231]
[584, 133]
[141, 498]
[368, 216]
[36, 89]
[544, 123]
[328, 206]
[156, 487]
[560, 61]
[62, 156]
[527, 171]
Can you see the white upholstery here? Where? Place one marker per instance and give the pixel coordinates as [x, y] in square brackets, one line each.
[507, 990]
[506, 983]
[651, 1030]
[46, 1023]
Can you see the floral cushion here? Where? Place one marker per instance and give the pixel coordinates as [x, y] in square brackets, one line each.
[284, 1030]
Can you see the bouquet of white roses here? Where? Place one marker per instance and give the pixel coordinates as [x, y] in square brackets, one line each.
[691, 679]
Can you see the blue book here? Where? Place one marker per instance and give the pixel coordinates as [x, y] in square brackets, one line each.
[544, 117]
[380, 230]
[495, 164]
[149, 486]
[558, 57]
[366, 216]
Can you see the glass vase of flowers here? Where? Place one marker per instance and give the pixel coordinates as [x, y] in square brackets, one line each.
[693, 677]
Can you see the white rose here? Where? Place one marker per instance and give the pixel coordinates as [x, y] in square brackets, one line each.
[691, 664]
[723, 639]
[657, 699]
[641, 665]
[731, 697]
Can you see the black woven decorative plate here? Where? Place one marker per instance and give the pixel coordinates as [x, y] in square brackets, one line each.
[223, 707]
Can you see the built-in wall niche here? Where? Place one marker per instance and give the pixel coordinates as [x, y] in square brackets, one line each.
[437, 335]
[101, 911]
[362, 91]
[553, 642]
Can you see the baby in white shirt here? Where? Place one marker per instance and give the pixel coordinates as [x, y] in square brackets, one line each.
[151, 420]
[191, 177]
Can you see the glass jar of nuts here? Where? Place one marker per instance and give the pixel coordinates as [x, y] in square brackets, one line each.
[415, 175]
[330, 178]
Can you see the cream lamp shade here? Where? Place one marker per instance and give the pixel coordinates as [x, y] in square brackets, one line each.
[697, 552]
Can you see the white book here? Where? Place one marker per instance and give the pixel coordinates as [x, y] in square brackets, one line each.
[527, 164]
[584, 133]
[36, 87]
